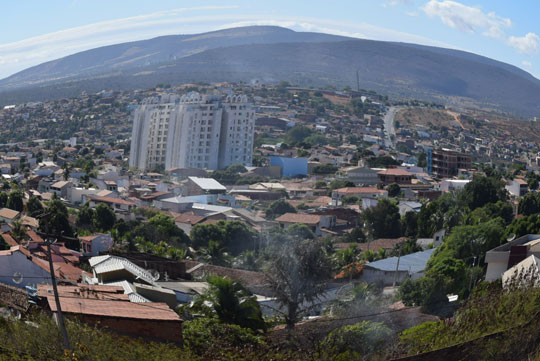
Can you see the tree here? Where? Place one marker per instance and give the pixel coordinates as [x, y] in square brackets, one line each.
[215, 253]
[235, 236]
[299, 231]
[529, 204]
[409, 224]
[34, 206]
[297, 134]
[356, 341]
[278, 208]
[161, 227]
[481, 191]
[230, 302]
[296, 272]
[56, 220]
[103, 218]
[355, 235]
[15, 201]
[383, 219]
[393, 190]
[85, 217]
[3, 199]
[237, 168]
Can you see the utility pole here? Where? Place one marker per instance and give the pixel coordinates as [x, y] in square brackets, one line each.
[397, 266]
[60, 317]
[472, 273]
[56, 298]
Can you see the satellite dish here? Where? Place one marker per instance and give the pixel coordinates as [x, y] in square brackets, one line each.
[511, 238]
[17, 277]
[154, 274]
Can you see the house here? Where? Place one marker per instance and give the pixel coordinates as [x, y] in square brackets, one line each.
[360, 192]
[20, 269]
[117, 204]
[408, 206]
[316, 223]
[524, 272]
[394, 175]
[449, 185]
[96, 243]
[362, 176]
[387, 271]
[60, 188]
[197, 186]
[8, 215]
[505, 256]
[517, 187]
[290, 167]
[99, 307]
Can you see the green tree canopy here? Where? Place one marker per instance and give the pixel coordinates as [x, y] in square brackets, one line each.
[34, 206]
[15, 201]
[278, 208]
[103, 218]
[393, 190]
[383, 219]
[481, 191]
[229, 301]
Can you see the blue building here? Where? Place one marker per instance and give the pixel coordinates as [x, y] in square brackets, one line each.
[291, 167]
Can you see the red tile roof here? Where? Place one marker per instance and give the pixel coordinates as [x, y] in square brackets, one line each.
[394, 171]
[299, 218]
[360, 190]
[143, 311]
[112, 200]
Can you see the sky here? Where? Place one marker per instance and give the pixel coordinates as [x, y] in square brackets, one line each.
[35, 31]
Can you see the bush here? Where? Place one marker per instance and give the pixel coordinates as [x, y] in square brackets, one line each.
[356, 340]
[204, 335]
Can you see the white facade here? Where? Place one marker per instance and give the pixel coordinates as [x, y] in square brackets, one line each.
[192, 131]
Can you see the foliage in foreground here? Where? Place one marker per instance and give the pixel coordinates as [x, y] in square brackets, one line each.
[351, 342]
[488, 310]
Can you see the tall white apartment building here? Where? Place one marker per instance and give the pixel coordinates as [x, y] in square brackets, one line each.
[192, 131]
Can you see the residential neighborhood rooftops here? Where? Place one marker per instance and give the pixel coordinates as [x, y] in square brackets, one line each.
[207, 183]
[299, 218]
[8, 213]
[395, 171]
[414, 262]
[145, 311]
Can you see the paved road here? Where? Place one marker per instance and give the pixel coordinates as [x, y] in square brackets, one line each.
[389, 130]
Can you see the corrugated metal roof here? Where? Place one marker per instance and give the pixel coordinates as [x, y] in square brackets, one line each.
[152, 311]
[130, 291]
[207, 183]
[101, 264]
[414, 262]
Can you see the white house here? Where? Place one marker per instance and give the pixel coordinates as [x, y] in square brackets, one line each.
[505, 256]
[448, 185]
[96, 243]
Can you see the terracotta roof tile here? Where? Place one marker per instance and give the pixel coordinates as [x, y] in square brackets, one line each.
[143, 311]
[299, 218]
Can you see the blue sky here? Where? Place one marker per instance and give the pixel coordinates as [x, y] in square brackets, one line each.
[34, 31]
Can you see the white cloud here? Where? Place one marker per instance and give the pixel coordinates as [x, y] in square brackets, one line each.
[526, 63]
[528, 44]
[467, 18]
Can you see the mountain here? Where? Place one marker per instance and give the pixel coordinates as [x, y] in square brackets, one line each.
[274, 54]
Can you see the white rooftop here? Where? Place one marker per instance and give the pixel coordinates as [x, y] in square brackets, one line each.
[208, 183]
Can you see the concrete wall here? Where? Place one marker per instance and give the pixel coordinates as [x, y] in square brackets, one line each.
[291, 167]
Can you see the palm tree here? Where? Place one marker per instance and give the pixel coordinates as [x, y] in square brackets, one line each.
[215, 254]
[230, 302]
